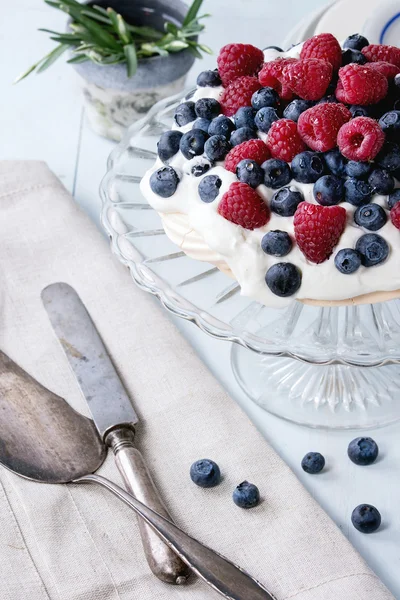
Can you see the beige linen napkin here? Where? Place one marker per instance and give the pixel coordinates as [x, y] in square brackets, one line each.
[76, 542]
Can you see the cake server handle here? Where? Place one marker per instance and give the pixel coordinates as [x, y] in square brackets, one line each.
[218, 572]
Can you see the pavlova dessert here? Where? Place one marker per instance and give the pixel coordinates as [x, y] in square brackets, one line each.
[283, 170]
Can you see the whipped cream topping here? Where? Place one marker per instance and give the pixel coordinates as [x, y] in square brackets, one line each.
[241, 248]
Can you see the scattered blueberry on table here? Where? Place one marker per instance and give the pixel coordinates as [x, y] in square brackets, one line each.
[205, 473]
[363, 451]
[366, 518]
[246, 495]
[313, 463]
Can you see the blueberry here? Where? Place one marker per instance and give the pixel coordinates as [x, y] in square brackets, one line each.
[246, 495]
[356, 42]
[347, 261]
[336, 162]
[389, 157]
[248, 171]
[217, 147]
[164, 182]
[202, 124]
[245, 117]
[373, 249]
[199, 169]
[370, 216]
[265, 117]
[209, 79]
[366, 518]
[359, 170]
[349, 55]
[328, 190]
[390, 123]
[363, 451]
[205, 473]
[207, 108]
[313, 463]
[283, 279]
[266, 96]
[357, 192]
[397, 81]
[243, 134]
[329, 99]
[168, 144]
[276, 243]
[381, 181]
[295, 108]
[209, 188]
[185, 113]
[393, 198]
[277, 173]
[221, 126]
[192, 143]
[307, 167]
[360, 111]
[285, 201]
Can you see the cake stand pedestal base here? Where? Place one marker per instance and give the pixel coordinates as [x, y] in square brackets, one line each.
[331, 397]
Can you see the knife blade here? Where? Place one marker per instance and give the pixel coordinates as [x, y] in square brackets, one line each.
[104, 392]
[113, 415]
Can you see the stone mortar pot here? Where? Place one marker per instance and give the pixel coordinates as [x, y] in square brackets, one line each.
[112, 100]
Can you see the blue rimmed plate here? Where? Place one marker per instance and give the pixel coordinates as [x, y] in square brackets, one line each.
[383, 26]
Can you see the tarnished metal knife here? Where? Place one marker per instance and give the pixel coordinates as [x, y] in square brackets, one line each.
[113, 414]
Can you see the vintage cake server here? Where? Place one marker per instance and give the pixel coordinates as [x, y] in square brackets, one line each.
[43, 439]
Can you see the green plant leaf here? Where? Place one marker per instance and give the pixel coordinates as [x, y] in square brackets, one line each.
[52, 57]
[205, 49]
[194, 51]
[192, 12]
[171, 28]
[26, 73]
[79, 58]
[176, 46]
[131, 59]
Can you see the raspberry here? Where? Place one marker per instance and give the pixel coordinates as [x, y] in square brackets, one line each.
[318, 126]
[359, 84]
[284, 140]
[238, 94]
[379, 52]
[236, 60]
[308, 78]
[324, 46]
[243, 206]
[387, 69]
[252, 150]
[360, 139]
[318, 229]
[271, 76]
[395, 215]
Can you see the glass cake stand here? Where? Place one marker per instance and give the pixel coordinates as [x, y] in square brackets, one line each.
[317, 366]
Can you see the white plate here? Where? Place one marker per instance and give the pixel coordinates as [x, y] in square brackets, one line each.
[305, 29]
[346, 17]
[383, 26]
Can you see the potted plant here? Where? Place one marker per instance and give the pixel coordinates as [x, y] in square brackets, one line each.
[129, 54]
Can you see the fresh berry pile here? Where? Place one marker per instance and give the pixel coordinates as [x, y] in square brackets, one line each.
[329, 118]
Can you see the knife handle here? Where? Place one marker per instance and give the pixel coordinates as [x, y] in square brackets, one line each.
[163, 561]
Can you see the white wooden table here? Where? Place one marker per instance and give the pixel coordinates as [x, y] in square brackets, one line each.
[42, 118]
